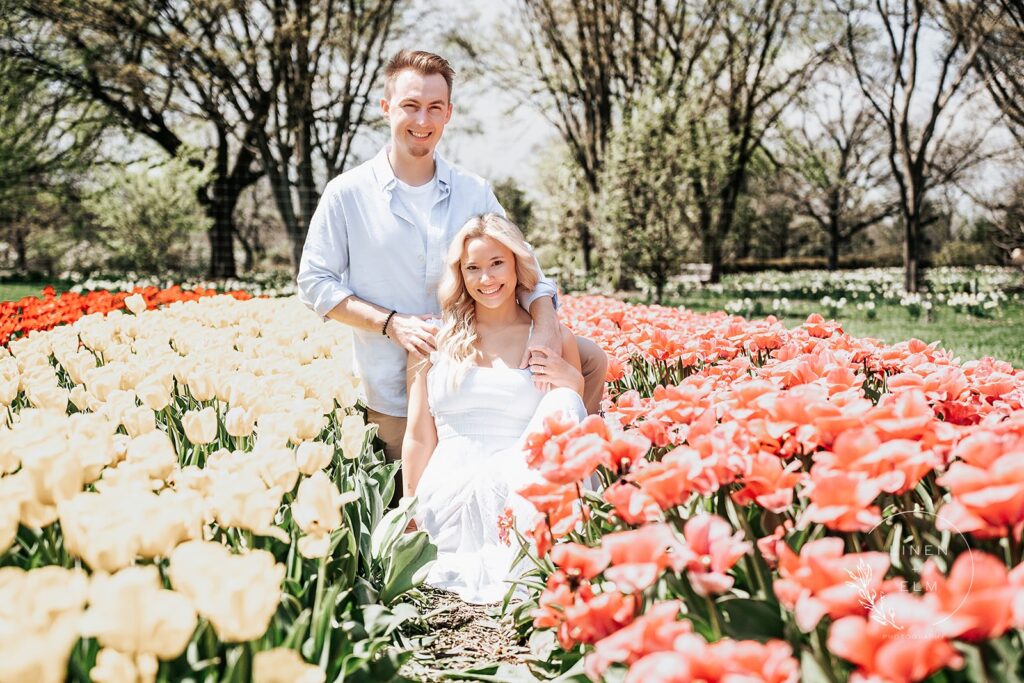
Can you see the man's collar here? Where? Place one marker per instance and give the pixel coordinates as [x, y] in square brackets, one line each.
[385, 175]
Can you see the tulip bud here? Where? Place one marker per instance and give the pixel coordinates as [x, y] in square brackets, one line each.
[79, 397]
[102, 381]
[114, 667]
[201, 384]
[154, 393]
[137, 421]
[239, 421]
[135, 303]
[313, 456]
[284, 665]
[154, 453]
[317, 512]
[238, 594]
[48, 396]
[133, 613]
[8, 390]
[200, 425]
[353, 429]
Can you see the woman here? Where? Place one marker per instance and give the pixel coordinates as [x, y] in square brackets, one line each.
[470, 407]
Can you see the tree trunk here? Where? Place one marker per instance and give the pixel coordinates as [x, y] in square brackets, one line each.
[910, 252]
[586, 240]
[221, 234]
[249, 260]
[713, 256]
[743, 241]
[21, 250]
[833, 245]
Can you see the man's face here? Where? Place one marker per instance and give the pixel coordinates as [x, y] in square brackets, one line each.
[417, 112]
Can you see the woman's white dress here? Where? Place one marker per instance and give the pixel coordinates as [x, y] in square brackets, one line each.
[474, 471]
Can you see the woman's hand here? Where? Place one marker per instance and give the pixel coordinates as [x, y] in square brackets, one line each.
[548, 338]
[554, 370]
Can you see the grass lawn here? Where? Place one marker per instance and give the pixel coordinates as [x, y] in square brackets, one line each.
[969, 337]
[13, 292]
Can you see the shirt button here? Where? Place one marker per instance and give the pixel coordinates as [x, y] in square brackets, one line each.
[420, 259]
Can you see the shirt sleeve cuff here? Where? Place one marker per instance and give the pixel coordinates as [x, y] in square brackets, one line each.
[329, 298]
[544, 288]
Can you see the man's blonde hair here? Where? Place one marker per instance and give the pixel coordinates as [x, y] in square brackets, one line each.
[423, 63]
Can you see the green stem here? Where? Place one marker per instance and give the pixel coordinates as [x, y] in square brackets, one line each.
[321, 577]
[714, 618]
[822, 655]
[1015, 547]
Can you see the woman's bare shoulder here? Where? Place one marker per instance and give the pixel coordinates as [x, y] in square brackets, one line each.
[416, 363]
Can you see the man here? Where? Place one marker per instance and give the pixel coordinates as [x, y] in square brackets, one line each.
[375, 249]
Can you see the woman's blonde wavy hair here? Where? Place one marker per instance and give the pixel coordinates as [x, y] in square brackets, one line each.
[457, 339]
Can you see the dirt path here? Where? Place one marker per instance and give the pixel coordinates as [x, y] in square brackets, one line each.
[461, 636]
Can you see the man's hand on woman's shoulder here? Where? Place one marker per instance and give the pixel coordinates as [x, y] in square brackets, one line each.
[414, 333]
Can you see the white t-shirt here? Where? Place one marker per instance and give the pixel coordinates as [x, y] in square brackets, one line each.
[418, 201]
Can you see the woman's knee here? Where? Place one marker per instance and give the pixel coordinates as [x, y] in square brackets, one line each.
[565, 400]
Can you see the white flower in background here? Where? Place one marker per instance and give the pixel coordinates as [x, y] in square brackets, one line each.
[135, 303]
[103, 380]
[48, 396]
[313, 456]
[243, 501]
[138, 420]
[353, 433]
[133, 613]
[284, 665]
[200, 425]
[109, 530]
[239, 421]
[115, 667]
[275, 466]
[153, 453]
[155, 391]
[39, 621]
[10, 513]
[317, 512]
[238, 594]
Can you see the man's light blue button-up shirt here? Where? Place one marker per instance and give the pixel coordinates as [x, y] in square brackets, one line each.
[363, 242]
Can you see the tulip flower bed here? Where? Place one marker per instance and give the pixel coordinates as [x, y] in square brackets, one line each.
[777, 505]
[18, 318]
[191, 494]
[867, 293]
[980, 289]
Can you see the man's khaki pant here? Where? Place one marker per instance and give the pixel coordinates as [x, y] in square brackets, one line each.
[594, 363]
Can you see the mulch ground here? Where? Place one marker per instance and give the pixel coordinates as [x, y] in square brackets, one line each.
[461, 636]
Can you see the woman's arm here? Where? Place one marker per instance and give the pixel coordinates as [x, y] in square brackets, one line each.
[420, 431]
[563, 371]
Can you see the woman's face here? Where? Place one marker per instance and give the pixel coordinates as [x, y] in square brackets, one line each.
[489, 271]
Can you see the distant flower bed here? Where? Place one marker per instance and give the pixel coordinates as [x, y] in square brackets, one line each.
[270, 284]
[18, 318]
[977, 291]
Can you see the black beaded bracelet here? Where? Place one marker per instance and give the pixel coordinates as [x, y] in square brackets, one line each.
[384, 330]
